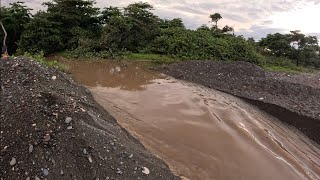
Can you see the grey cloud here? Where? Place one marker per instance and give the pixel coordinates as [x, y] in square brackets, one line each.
[236, 17]
[258, 32]
[188, 9]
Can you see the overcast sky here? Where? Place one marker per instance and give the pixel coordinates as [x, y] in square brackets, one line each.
[251, 18]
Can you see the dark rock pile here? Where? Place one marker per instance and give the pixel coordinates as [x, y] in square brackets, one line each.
[51, 128]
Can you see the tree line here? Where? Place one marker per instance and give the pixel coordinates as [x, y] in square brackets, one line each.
[78, 27]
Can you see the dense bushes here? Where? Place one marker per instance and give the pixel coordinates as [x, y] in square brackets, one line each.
[81, 30]
[199, 45]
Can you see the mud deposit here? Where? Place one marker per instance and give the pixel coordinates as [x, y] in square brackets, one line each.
[200, 132]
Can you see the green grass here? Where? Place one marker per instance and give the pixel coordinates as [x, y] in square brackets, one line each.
[156, 58]
[281, 64]
[39, 57]
[270, 63]
[291, 69]
[152, 58]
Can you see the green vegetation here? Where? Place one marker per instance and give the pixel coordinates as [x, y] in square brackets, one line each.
[157, 58]
[76, 29]
[39, 57]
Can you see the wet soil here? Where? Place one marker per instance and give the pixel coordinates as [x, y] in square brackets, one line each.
[293, 98]
[51, 128]
[200, 132]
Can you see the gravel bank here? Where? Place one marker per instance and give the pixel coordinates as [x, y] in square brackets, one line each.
[52, 128]
[293, 98]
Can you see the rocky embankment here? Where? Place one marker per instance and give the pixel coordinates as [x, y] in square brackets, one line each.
[293, 98]
[51, 128]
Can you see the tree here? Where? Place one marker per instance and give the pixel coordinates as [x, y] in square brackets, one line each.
[203, 27]
[109, 13]
[305, 47]
[301, 49]
[77, 19]
[64, 25]
[14, 18]
[41, 35]
[174, 23]
[227, 29]
[215, 18]
[134, 29]
[279, 44]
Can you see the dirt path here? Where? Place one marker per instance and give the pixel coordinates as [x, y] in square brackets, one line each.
[293, 98]
[52, 128]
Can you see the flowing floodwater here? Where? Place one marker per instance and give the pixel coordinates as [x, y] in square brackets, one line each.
[199, 132]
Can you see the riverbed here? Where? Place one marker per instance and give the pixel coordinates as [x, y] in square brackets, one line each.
[199, 132]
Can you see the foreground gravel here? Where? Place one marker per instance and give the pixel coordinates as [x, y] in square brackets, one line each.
[51, 128]
[293, 98]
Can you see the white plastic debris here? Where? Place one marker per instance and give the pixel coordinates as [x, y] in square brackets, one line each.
[145, 170]
[54, 77]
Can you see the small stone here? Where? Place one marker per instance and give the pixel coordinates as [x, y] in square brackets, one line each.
[45, 172]
[13, 161]
[61, 172]
[261, 98]
[131, 155]
[54, 77]
[85, 151]
[30, 148]
[90, 159]
[145, 170]
[46, 138]
[28, 178]
[119, 171]
[69, 127]
[68, 120]
[36, 178]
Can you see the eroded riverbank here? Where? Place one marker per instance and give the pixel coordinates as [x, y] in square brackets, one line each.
[201, 133]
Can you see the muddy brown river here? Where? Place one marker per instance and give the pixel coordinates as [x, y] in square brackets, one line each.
[199, 132]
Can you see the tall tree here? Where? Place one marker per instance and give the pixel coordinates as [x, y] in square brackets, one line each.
[215, 18]
[108, 13]
[65, 25]
[279, 44]
[136, 28]
[41, 34]
[77, 19]
[14, 19]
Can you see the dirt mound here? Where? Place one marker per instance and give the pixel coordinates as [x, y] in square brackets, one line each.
[230, 69]
[253, 83]
[51, 128]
